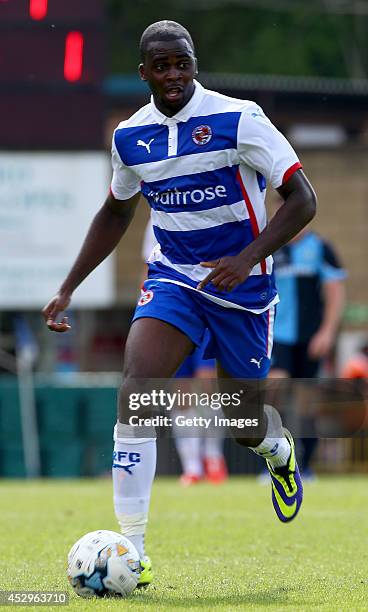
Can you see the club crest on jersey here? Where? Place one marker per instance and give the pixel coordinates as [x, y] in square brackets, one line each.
[202, 134]
[145, 297]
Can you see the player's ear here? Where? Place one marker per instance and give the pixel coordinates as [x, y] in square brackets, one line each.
[141, 72]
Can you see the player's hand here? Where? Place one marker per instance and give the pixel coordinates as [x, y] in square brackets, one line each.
[227, 272]
[321, 344]
[50, 312]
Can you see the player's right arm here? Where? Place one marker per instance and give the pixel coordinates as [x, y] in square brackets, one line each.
[105, 232]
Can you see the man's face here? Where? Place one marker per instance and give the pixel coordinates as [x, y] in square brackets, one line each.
[169, 68]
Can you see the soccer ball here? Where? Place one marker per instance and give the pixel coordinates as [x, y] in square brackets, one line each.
[103, 563]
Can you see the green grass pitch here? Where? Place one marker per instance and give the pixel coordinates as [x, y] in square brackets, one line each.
[212, 547]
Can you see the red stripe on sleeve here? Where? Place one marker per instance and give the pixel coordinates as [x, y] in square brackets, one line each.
[291, 171]
[252, 215]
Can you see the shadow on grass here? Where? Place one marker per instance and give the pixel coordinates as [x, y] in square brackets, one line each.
[267, 597]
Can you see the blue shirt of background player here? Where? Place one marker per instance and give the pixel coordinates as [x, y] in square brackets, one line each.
[301, 268]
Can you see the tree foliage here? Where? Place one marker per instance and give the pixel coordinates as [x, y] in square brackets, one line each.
[242, 39]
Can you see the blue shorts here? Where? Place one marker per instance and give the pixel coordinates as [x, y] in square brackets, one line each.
[239, 340]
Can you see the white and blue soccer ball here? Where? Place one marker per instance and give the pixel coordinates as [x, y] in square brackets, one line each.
[103, 563]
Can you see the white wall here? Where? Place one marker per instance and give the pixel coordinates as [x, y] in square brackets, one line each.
[47, 201]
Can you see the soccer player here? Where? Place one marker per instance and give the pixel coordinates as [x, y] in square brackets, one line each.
[310, 282]
[202, 161]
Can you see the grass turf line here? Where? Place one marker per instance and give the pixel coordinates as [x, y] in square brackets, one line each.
[212, 547]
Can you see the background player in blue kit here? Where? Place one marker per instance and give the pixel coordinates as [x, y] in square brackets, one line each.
[201, 160]
[310, 282]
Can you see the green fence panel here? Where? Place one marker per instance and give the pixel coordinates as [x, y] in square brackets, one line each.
[75, 429]
[12, 461]
[10, 418]
[62, 459]
[97, 458]
[100, 413]
[59, 412]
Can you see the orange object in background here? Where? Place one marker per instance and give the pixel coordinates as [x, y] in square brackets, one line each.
[357, 366]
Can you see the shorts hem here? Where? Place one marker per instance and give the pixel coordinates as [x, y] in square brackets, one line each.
[166, 320]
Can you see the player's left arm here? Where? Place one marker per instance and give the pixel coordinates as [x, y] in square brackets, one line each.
[297, 211]
[333, 288]
[264, 149]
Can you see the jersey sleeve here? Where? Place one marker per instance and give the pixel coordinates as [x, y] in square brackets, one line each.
[331, 266]
[262, 147]
[125, 183]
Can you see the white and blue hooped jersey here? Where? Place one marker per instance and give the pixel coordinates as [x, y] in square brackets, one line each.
[204, 173]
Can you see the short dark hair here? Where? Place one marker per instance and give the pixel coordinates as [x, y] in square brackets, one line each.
[163, 30]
